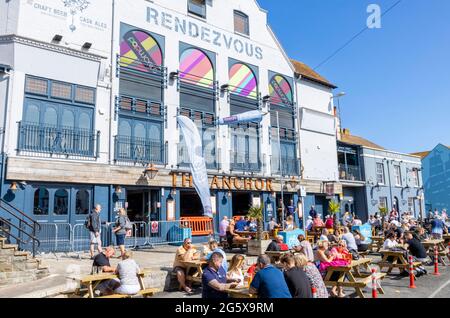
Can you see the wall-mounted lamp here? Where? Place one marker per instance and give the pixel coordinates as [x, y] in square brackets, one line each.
[150, 171]
[118, 189]
[266, 99]
[293, 182]
[224, 88]
[57, 38]
[174, 75]
[229, 194]
[86, 46]
[174, 192]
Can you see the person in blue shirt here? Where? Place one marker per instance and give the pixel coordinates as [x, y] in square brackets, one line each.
[437, 228]
[214, 247]
[214, 279]
[241, 224]
[269, 281]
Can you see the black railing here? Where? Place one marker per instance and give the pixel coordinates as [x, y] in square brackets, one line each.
[210, 157]
[139, 150]
[289, 166]
[58, 140]
[26, 227]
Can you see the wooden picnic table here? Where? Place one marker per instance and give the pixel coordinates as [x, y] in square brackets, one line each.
[397, 260]
[442, 249]
[351, 276]
[92, 282]
[377, 243]
[197, 266]
[240, 293]
[275, 256]
[446, 238]
[246, 233]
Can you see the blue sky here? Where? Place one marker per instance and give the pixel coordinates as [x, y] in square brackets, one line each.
[397, 78]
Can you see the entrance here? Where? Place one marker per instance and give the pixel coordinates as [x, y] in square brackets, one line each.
[242, 201]
[287, 197]
[143, 205]
[190, 204]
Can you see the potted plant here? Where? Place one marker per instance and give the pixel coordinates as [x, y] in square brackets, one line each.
[258, 246]
[334, 207]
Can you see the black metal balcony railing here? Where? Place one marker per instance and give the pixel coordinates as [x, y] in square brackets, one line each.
[58, 140]
[139, 106]
[139, 150]
[289, 166]
[245, 161]
[349, 172]
[210, 157]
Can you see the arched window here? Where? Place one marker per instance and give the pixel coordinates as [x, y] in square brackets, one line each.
[280, 91]
[140, 51]
[196, 68]
[40, 206]
[243, 81]
[61, 202]
[82, 202]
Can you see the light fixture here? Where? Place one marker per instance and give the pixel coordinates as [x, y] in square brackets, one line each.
[86, 46]
[174, 192]
[229, 194]
[224, 88]
[151, 171]
[266, 99]
[339, 95]
[13, 186]
[173, 75]
[293, 182]
[274, 194]
[118, 189]
[57, 38]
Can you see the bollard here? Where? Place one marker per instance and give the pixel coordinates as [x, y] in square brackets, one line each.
[374, 284]
[314, 292]
[436, 261]
[411, 273]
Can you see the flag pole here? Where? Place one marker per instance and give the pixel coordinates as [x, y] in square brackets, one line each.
[280, 168]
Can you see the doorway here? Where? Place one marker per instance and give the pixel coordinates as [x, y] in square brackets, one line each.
[143, 205]
[190, 204]
[242, 201]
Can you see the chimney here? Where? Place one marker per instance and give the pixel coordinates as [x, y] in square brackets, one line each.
[346, 132]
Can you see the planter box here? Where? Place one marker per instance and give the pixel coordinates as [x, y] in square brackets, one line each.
[257, 247]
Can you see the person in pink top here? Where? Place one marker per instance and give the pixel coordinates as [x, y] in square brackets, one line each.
[326, 260]
[329, 223]
[317, 222]
[341, 252]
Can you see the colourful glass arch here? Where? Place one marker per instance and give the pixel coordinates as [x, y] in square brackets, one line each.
[243, 81]
[139, 50]
[196, 68]
[280, 91]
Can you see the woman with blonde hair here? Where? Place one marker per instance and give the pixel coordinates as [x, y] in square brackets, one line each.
[128, 271]
[326, 260]
[313, 274]
[235, 271]
[121, 230]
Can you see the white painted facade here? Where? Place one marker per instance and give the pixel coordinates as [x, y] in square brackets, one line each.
[28, 27]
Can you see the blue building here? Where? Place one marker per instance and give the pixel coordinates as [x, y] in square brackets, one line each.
[373, 177]
[436, 177]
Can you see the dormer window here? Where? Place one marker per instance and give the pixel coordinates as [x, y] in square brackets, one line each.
[197, 7]
[241, 24]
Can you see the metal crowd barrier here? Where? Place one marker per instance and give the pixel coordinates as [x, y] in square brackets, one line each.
[64, 237]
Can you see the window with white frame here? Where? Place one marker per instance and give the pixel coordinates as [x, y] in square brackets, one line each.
[415, 177]
[197, 7]
[383, 202]
[380, 173]
[398, 176]
[241, 23]
[411, 204]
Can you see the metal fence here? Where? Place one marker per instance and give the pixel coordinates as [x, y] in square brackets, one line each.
[65, 237]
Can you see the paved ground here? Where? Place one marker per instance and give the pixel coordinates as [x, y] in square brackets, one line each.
[65, 267]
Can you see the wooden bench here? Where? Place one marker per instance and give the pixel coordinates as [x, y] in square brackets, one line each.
[442, 250]
[398, 261]
[196, 267]
[92, 282]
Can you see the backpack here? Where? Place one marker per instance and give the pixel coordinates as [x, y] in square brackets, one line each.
[128, 225]
[88, 222]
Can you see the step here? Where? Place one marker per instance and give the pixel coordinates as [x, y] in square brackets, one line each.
[21, 253]
[10, 246]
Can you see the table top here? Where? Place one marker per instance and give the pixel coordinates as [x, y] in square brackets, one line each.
[105, 276]
[242, 292]
[377, 237]
[432, 242]
[276, 253]
[245, 233]
[194, 263]
[354, 263]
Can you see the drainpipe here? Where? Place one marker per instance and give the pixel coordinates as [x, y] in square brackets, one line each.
[3, 131]
[112, 99]
[390, 185]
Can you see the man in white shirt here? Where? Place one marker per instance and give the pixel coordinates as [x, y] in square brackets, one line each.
[309, 223]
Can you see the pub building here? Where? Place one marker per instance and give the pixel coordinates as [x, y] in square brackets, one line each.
[93, 120]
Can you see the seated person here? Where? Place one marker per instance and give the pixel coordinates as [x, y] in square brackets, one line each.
[296, 279]
[128, 271]
[214, 279]
[324, 235]
[235, 271]
[329, 223]
[313, 275]
[185, 253]
[417, 250]
[101, 262]
[349, 238]
[359, 239]
[253, 225]
[241, 224]
[356, 221]
[269, 281]
[233, 237]
[341, 252]
[213, 248]
[390, 242]
[326, 260]
[290, 224]
[309, 223]
[317, 222]
[305, 248]
[277, 245]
